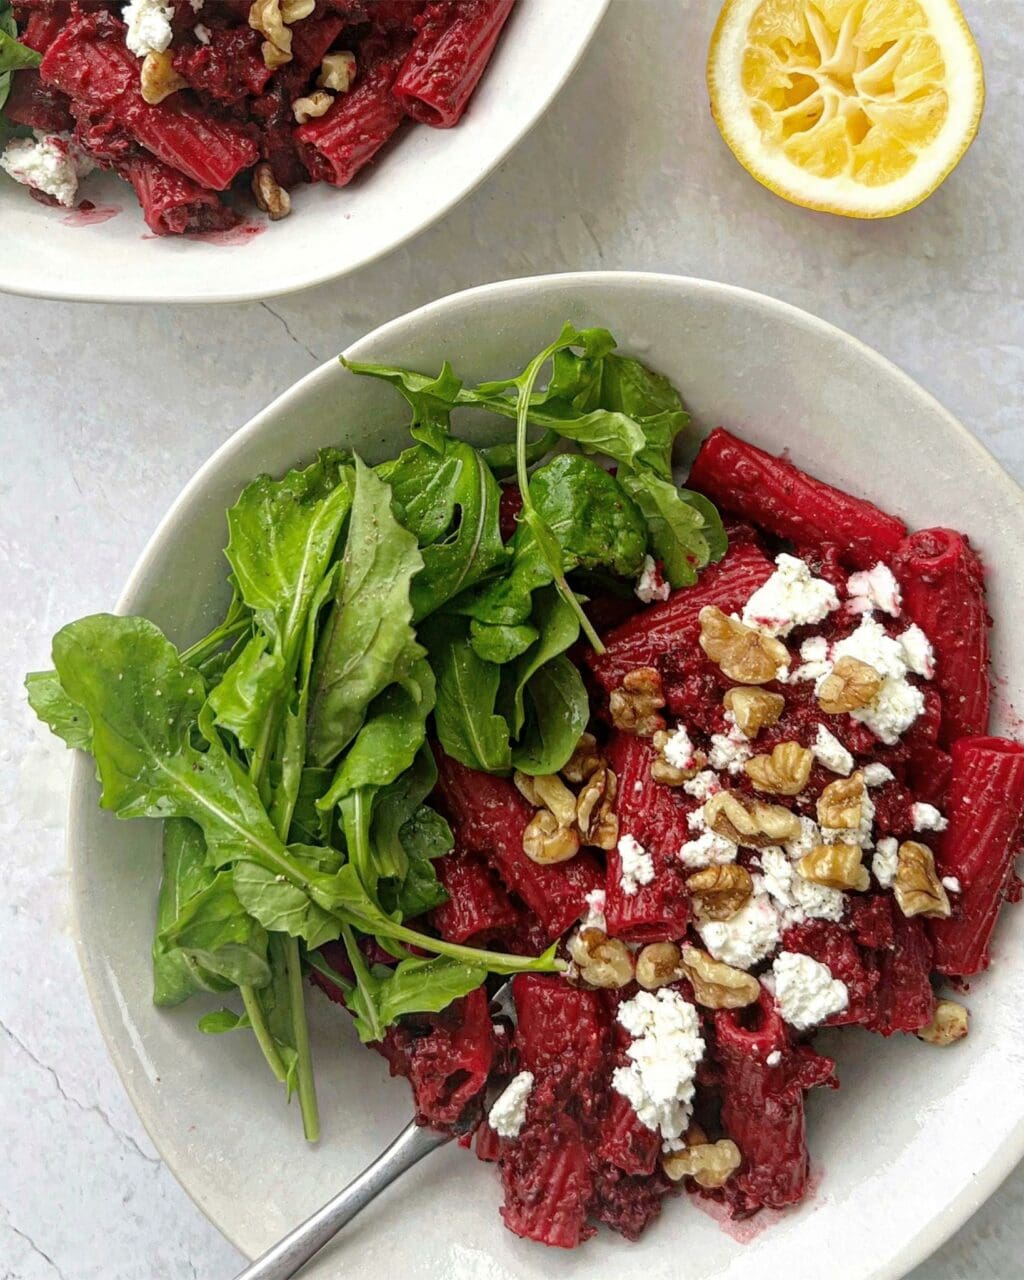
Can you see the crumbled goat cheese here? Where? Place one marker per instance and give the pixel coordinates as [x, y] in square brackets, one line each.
[48, 163]
[790, 598]
[918, 653]
[149, 26]
[596, 901]
[666, 1049]
[814, 649]
[885, 861]
[196, 5]
[678, 750]
[878, 587]
[638, 785]
[703, 786]
[696, 821]
[709, 849]
[796, 898]
[814, 659]
[805, 991]
[774, 1058]
[808, 839]
[745, 938]
[926, 817]
[951, 883]
[729, 751]
[508, 1114]
[636, 865]
[872, 644]
[831, 753]
[898, 703]
[202, 33]
[876, 775]
[651, 585]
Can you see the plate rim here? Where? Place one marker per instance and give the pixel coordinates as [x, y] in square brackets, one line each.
[587, 29]
[983, 1182]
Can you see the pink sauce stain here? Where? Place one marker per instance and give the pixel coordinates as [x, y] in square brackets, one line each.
[241, 234]
[744, 1230]
[89, 215]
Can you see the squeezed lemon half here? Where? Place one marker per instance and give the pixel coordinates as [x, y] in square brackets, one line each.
[855, 107]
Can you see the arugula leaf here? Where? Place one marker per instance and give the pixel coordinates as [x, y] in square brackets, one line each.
[14, 56]
[558, 711]
[457, 551]
[629, 387]
[467, 725]
[431, 399]
[52, 705]
[214, 931]
[686, 530]
[426, 986]
[177, 975]
[248, 687]
[368, 641]
[501, 644]
[557, 629]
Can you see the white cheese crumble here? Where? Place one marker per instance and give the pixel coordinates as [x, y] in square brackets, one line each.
[202, 33]
[636, 865]
[666, 1050]
[745, 938]
[808, 839]
[797, 898]
[926, 817]
[149, 26]
[49, 163]
[831, 753]
[704, 785]
[678, 750]
[650, 585]
[792, 597]
[730, 751]
[805, 991]
[596, 901]
[859, 835]
[814, 660]
[709, 849]
[878, 588]
[897, 704]
[508, 1114]
[876, 775]
[885, 861]
[918, 653]
[871, 643]
[951, 883]
[774, 1058]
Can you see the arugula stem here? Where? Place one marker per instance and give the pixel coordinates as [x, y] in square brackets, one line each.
[469, 955]
[209, 644]
[262, 1033]
[524, 392]
[300, 1030]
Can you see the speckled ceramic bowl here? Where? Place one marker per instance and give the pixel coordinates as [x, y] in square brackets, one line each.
[916, 1138]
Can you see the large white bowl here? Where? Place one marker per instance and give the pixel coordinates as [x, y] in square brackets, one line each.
[419, 176]
[915, 1140]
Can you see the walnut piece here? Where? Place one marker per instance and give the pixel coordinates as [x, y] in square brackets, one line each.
[950, 1023]
[545, 841]
[635, 704]
[548, 791]
[584, 760]
[596, 820]
[313, 107]
[784, 773]
[602, 961]
[670, 775]
[657, 965]
[717, 985]
[266, 18]
[269, 196]
[836, 866]
[296, 10]
[158, 78]
[709, 1164]
[851, 685]
[337, 71]
[753, 709]
[918, 889]
[720, 891]
[748, 821]
[743, 654]
[841, 803]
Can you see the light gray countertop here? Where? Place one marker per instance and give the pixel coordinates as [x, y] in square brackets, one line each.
[106, 411]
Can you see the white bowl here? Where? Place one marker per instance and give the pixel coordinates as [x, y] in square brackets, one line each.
[915, 1140]
[419, 176]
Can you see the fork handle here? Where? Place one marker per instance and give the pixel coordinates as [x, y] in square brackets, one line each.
[290, 1255]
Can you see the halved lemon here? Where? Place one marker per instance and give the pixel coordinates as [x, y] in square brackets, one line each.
[855, 107]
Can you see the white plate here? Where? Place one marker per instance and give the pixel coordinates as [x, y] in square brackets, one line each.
[916, 1138]
[418, 176]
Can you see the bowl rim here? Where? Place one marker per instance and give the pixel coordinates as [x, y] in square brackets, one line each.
[984, 1181]
[325, 273]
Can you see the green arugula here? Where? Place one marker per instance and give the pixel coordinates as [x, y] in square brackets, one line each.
[14, 56]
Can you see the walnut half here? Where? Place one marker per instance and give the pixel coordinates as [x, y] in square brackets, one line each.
[836, 866]
[851, 685]
[269, 195]
[635, 704]
[720, 891]
[753, 709]
[918, 889]
[785, 772]
[545, 841]
[950, 1023]
[717, 985]
[747, 821]
[602, 961]
[158, 78]
[743, 654]
[841, 803]
[709, 1164]
[657, 965]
